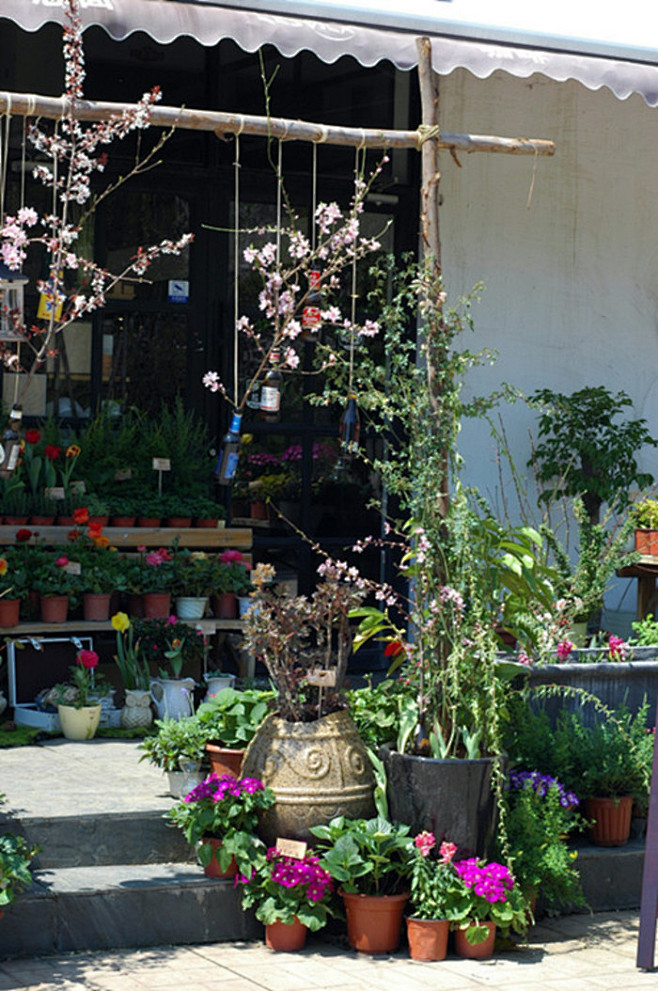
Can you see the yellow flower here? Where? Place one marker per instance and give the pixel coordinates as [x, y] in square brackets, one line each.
[72, 451]
[101, 541]
[3, 566]
[120, 622]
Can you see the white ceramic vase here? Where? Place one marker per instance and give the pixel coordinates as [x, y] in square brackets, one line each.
[173, 698]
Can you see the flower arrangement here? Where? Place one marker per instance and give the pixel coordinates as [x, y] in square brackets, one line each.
[489, 893]
[224, 808]
[283, 889]
[87, 689]
[133, 667]
[434, 888]
[295, 635]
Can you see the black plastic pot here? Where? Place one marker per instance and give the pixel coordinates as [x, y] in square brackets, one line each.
[454, 799]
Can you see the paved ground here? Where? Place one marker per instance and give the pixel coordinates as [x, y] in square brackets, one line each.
[575, 953]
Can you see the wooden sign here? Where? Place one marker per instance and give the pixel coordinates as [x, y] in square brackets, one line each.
[321, 678]
[646, 944]
[161, 464]
[291, 848]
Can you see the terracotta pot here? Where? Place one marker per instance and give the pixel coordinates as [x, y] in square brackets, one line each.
[224, 606]
[79, 724]
[646, 542]
[223, 760]
[136, 606]
[9, 612]
[612, 820]
[285, 937]
[213, 869]
[259, 510]
[54, 608]
[179, 521]
[99, 520]
[123, 521]
[149, 521]
[15, 520]
[157, 605]
[205, 523]
[317, 771]
[65, 521]
[42, 520]
[96, 606]
[428, 938]
[477, 951]
[374, 921]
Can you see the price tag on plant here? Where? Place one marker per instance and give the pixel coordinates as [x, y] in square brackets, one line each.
[161, 464]
[55, 492]
[123, 474]
[321, 678]
[291, 848]
[72, 568]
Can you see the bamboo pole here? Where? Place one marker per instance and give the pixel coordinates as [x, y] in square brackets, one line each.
[221, 123]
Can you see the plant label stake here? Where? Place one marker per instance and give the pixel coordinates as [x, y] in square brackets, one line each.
[291, 848]
[160, 465]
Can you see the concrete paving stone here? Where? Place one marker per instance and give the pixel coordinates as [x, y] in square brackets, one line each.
[275, 977]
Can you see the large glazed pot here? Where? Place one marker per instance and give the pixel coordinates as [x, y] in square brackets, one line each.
[317, 771]
[454, 799]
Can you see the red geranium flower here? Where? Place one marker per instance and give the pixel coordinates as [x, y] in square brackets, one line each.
[52, 452]
[32, 436]
[23, 535]
[393, 648]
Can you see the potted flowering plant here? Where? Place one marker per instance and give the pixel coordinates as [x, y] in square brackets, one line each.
[15, 582]
[305, 643]
[489, 897]
[156, 577]
[80, 717]
[219, 818]
[434, 889]
[291, 895]
[57, 581]
[135, 675]
[371, 859]
[192, 583]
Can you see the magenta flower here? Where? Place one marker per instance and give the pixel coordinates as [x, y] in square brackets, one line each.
[617, 648]
[425, 842]
[564, 648]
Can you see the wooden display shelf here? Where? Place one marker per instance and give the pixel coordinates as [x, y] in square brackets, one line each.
[85, 628]
[646, 572]
[130, 538]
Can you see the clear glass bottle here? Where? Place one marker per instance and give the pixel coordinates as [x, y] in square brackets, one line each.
[230, 452]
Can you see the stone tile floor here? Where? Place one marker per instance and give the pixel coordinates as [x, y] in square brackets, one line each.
[571, 953]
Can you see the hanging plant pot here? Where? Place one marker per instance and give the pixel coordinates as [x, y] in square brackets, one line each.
[96, 606]
[191, 606]
[79, 724]
[54, 608]
[224, 606]
[428, 939]
[476, 951]
[285, 937]
[224, 760]
[374, 921]
[611, 820]
[157, 605]
[9, 612]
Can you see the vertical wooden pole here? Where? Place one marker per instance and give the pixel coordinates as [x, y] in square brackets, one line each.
[429, 103]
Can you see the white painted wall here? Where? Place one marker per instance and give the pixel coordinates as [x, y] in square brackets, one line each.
[571, 294]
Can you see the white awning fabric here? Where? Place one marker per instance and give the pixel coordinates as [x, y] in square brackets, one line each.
[566, 40]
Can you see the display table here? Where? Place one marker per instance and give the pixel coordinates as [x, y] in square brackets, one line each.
[646, 572]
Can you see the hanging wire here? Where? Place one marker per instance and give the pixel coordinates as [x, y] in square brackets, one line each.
[236, 264]
[314, 195]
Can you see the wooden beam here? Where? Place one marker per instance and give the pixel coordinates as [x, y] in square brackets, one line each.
[222, 124]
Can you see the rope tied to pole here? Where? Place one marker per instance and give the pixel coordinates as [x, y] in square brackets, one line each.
[426, 132]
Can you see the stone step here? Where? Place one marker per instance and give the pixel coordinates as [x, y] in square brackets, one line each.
[123, 905]
[611, 877]
[106, 838]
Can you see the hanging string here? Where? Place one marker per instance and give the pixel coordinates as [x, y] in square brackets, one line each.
[236, 264]
[314, 195]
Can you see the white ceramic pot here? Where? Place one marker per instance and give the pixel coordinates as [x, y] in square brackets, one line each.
[79, 724]
[191, 607]
[216, 683]
[173, 698]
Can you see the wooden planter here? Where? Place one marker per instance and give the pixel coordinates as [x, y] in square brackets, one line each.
[646, 542]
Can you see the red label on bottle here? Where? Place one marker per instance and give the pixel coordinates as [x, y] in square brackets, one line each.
[311, 317]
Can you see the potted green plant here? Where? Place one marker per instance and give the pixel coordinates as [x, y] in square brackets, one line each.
[644, 514]
[433, 894]
[57, 581]
[305, 643]
[490, 898]
[16, 855]
[156, 578]
[541, 813]
[208, 513]
[291, 895]
[15, 582]
[192, 583]
[177, 748]
[80, 718]
[230, 579]
[229, 721]
[218, 819]
[371, 859]
[122, 510]
[178, 509]
[135, 675]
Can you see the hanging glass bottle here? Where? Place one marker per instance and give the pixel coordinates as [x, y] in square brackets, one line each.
[230, 453]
